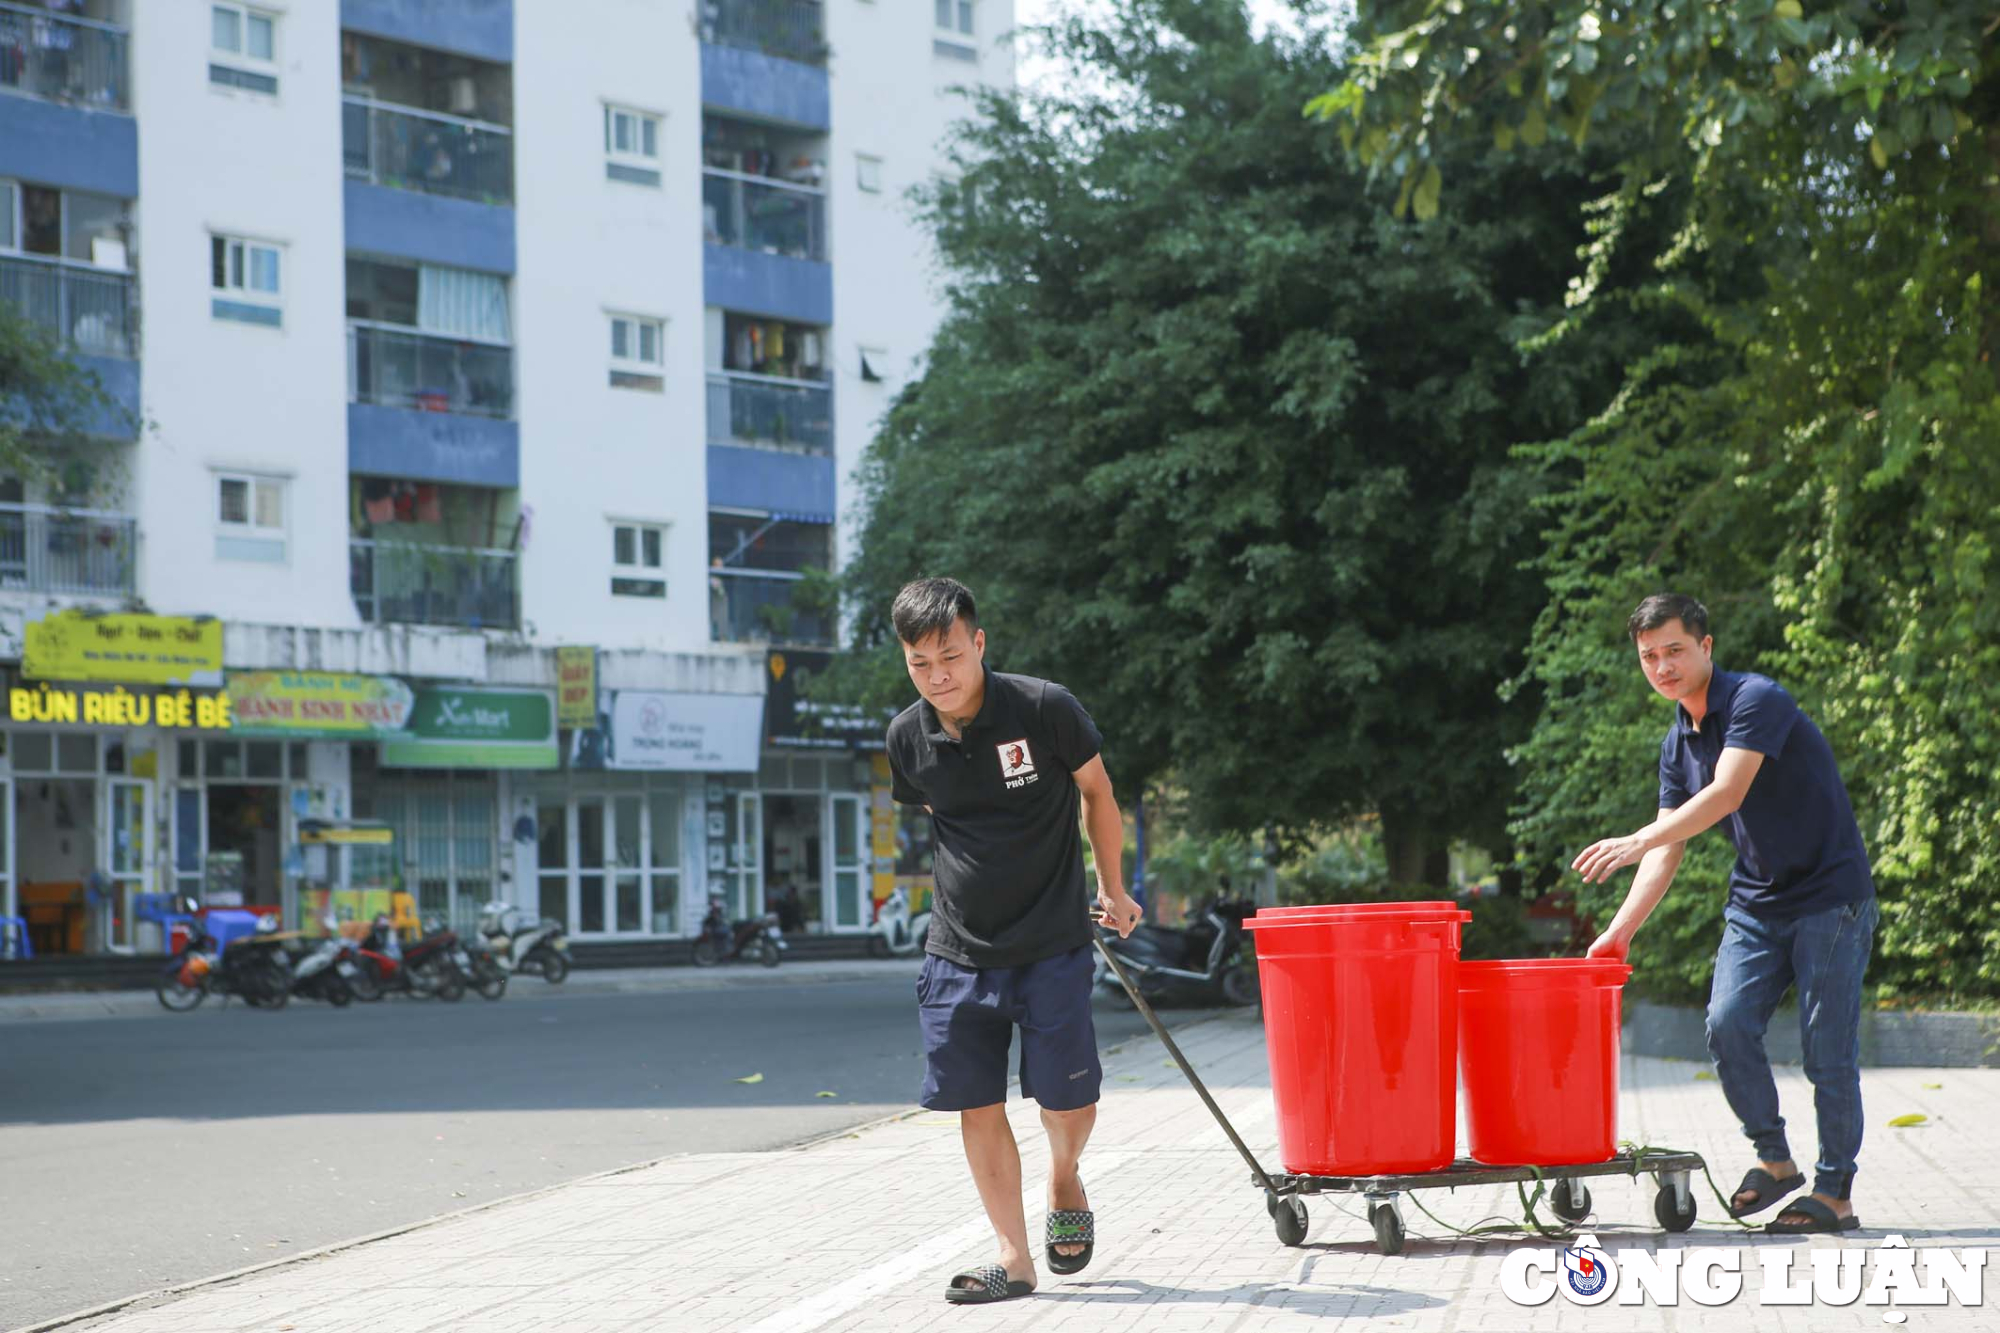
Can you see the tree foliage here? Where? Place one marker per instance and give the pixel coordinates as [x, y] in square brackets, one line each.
[1814, 454]
[53, 414]
[1224, 446]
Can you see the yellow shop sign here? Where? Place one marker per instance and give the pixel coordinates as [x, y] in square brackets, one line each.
[116, 706]
[124, 646]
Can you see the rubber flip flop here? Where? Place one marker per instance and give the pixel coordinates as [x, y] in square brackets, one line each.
[994, 1286]
[1071, 1226]
[1819, 1218]
[1764, 1188]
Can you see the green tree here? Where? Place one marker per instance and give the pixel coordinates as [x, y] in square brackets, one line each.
[1224, 445]
[54, 414]
[1814, 459]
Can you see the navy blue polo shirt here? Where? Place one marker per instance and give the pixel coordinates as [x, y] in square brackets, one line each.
[1007, 850]
[1798, 849]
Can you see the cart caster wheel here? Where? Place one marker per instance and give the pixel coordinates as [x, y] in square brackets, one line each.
[1668, 1212]
[1569, 1200]
[1388, 1227]
[1290, 1215]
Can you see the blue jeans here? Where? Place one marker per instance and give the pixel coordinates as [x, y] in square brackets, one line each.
[1826, 953]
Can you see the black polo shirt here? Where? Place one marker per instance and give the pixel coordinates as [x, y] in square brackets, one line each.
[1008, 851]
[1798, 848]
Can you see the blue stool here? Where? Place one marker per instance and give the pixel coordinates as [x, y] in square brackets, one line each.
[160, 908]
[14, 942]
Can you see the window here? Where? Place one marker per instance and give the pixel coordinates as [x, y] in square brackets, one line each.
[637, 568]
[631, 146]
[249, 517]
[637, 354]
[955, 17]
[8, 194]
[243, 49]
[73, 224]
[244, 280]
[868, 173]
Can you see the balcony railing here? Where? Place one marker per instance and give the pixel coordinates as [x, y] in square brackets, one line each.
[396, 367]
[83, 307]
[429, 151]
[45, 549]
[793, 29]
[62, 59]
[757, 213]
[759, 412]
[757, 608]
[410, 584]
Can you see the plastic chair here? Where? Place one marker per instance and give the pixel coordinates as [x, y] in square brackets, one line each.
[160, 908]
[14, 941]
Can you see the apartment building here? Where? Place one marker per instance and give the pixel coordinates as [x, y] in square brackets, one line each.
[487, 375]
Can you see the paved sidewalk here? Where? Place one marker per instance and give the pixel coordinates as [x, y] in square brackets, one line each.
[593, 981]
[860, 1232]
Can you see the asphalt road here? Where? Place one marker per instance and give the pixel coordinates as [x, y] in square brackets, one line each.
[140, 1152]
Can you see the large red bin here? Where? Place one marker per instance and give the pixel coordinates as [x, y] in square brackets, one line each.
[1538, 1059]
[1361, 1026]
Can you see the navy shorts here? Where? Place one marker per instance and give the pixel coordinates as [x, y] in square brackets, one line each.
[969, 1015]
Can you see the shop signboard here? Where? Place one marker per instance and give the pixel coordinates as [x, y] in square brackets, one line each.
[792, 721]
[64, 704]
[684, 733]
[327, 704]
[475, 727]
[123, 647]
[576, 687]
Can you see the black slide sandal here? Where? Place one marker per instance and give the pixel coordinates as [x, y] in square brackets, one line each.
[1822, 1218]
[1071, 1226]
[1764, 1188]
[994, 1286]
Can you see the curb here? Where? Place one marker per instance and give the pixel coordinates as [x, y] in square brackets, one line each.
[1890, 1038]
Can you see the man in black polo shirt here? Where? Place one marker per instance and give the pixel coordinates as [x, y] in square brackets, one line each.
[1001, 763]
[1801, 899]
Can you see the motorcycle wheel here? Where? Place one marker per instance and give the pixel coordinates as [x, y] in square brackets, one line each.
[767, 953]
[706, 954]
[277, 992]
[176, 998]
[492, 984]
[1239, 985]
[452, 988]
[337, 993]
[555, 966]
[366, 983]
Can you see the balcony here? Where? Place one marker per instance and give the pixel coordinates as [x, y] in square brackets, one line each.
[409, 584]
[87, 309]
[74, 551]
[755, 213]
[761, 412]
[424, 372]
[58, 58]
[426, 151]
[756, 607]
[788, 29]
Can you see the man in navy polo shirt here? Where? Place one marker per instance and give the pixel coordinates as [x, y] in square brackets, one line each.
[1801, 907]
[1002, 763]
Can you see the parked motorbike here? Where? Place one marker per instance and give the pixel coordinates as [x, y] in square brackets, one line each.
[524, 944]
[254, 967]
[322, 974]
[425, 968]
[484, 974]
[1205, 961]
[756, 940]
[896, 931]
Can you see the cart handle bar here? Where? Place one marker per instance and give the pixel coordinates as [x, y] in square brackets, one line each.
[1160, 1031]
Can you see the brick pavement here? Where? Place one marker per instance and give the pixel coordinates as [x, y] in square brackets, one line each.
[859, 1232]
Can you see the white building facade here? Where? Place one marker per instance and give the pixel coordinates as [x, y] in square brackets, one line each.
[486, 377]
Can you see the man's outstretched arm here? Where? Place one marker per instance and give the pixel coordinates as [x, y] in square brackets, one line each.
[1105, 827]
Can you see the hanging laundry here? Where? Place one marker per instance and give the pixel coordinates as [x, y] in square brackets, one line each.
[776, 339]
[429, 508]
[406, 502]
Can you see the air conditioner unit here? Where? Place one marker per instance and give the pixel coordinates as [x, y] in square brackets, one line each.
[464, 96]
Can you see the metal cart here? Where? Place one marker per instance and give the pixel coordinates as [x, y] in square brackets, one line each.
[1569, 1199]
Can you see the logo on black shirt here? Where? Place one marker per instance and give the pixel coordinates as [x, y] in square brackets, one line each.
[1017, 765]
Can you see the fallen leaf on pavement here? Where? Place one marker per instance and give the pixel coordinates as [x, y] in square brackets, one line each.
[826, 1094]
[1933, 1086]
[1906, 1121]
[1705, 1076]
[751, 1078]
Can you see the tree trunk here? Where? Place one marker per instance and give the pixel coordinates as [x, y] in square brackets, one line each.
[1414, 851]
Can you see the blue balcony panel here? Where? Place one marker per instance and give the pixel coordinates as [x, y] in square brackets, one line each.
[481, 28]
[429, 228]
[120, 379]
[433, 446]
[754, 283]
[70, 147]
[768, 480]
[767, 87]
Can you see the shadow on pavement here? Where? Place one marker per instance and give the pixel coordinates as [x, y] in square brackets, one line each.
[1338, 1300]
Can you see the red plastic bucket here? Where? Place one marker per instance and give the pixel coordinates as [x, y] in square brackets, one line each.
[1538, 1059]
[1361, 1026]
